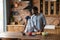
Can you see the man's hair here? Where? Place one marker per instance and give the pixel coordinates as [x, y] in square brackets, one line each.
[35, 8]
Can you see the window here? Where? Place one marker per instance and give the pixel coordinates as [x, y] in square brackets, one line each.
[52, 8]
[57, 7]
[46, 7]
[41, 6]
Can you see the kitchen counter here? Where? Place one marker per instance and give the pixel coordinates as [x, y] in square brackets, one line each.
[19, 36]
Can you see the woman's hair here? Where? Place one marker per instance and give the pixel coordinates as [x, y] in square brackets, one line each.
[28, 11]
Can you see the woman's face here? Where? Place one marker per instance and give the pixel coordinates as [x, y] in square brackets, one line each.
[32, 11]
[28, 13]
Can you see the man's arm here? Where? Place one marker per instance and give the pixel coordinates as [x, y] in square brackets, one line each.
[43, 20]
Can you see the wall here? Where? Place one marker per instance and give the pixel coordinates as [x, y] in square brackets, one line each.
[37, 4]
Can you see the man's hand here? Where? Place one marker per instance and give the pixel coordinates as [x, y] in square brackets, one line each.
[37, 33]
[35, 27]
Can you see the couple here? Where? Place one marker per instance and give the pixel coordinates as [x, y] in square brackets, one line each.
[35, 22]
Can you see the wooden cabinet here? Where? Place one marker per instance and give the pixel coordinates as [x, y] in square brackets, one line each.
[58, 30]
[15, 28]
[53, 31]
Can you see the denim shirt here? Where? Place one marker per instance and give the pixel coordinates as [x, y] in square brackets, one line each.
[37, 21]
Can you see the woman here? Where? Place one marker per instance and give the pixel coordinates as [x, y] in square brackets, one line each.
[28, 23]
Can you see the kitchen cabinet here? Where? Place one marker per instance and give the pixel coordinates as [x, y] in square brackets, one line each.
[15, 28]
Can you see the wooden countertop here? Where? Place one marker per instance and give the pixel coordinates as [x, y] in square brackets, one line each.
[17, 35]
[20, 36]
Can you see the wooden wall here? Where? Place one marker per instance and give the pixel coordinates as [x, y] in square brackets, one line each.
[37, 4]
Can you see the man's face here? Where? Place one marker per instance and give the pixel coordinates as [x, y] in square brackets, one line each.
[34, 11]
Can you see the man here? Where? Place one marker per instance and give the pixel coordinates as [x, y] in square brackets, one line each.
[38, 20]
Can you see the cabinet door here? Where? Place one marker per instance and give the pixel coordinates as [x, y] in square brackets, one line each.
[18, 29]
[15, 28]
[10, 28]
[51, 31]
[58, 31]
[21, 28]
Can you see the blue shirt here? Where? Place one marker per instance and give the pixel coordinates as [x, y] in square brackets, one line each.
[37, 21]
[27, 17]
[29, 26]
